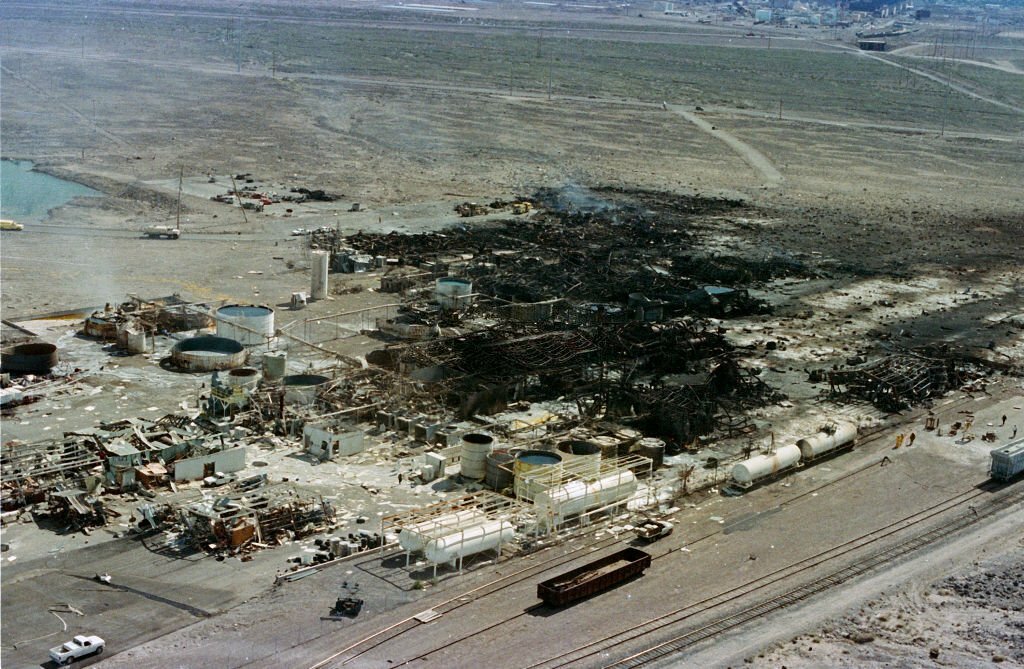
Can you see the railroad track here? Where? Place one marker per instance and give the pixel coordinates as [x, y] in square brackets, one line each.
[772, 603]
[380, 637]
[368, 643]
[691, 610]
[372, 641]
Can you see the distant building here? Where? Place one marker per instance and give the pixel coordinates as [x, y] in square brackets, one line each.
[871, 45]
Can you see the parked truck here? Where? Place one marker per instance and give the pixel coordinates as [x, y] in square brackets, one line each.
[161, 231]
[594, 577]
[79, 647]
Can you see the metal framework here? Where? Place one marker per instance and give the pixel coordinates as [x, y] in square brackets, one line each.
[454, 517]
[546, 479]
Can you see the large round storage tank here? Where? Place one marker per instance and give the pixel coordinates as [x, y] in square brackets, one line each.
[37, 358]
[747, 472]
[303, 388]
[452, 292]
[583, 458]
[415, 537]
[469, 541]
[498, 470]
[824, 442]
[248, 324]
[208, 353]
[575, 497]
[536, 471]
[476, 446]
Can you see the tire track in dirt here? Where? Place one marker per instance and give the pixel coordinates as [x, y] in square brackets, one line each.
[757, 160]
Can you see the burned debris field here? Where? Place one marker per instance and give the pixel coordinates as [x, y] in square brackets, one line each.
[510, 335]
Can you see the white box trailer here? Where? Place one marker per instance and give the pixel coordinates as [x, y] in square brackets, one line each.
[1007, 461]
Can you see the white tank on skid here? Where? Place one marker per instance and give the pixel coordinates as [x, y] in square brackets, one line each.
[417, 536]
[831, 437]
[556, 504]
[469, 541]
[758, 467]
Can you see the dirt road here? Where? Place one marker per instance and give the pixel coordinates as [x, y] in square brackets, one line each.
[758, 161]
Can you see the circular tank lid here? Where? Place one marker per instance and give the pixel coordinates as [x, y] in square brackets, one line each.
[305, 380]
[210, 343]
[538, 457]
[243, 371]
[579, 448]
[244, 311]
[478, 438]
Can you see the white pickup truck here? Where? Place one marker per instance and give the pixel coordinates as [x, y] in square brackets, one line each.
[78, 647]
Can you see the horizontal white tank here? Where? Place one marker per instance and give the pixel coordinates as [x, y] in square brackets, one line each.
[469, 541]
[556, 504]
[415, 537]
[823, 442]
[760, 466]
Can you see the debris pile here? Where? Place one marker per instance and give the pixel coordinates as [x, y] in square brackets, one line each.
[902, 380]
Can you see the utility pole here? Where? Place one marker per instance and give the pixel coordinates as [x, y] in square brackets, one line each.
[549, 81]
[273, 65]
[780, 110]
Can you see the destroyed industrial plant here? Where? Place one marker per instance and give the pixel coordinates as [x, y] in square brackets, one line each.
[512, 334]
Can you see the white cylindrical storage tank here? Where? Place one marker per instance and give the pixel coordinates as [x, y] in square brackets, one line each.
[275, 365]
[535, 471]
[574, 497]
[583, 458]
[469, 541]
[248, 324]
[242, 377]
[321, 262]
[823, 442]
[476, 446]
[452, 292]
[747, 472]
[416, 537]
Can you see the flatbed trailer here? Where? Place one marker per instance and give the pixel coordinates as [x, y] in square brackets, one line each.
[594, 577]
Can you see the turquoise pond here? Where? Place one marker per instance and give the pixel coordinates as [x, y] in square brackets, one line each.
[27, 196]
